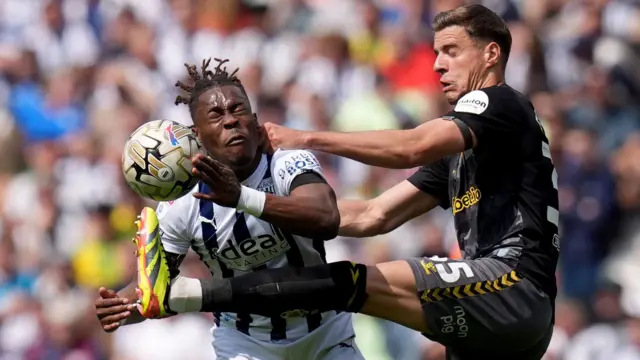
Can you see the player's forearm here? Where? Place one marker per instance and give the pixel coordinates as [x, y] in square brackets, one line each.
[129, 292]
[303, 216]
[396, 149]
[357, 219]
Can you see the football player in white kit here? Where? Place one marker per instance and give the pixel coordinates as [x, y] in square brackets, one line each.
[222, 223]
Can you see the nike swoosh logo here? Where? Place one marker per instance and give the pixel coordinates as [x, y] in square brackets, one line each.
[207, 221]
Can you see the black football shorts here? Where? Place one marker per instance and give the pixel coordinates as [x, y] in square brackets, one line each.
[483, 309]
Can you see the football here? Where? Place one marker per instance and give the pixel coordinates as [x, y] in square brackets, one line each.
[156, 161]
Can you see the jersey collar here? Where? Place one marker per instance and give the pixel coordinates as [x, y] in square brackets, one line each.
[257, 175]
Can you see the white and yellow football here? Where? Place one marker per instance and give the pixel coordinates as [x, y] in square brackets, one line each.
[156, 161]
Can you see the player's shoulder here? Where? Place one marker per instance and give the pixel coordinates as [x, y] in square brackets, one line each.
[291, 160]
[498, 101]
[286, 165]
[291, 154]
[178, 210]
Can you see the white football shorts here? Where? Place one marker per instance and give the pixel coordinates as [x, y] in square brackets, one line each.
[330, 341]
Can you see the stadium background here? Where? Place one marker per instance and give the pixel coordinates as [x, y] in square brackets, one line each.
[77, 76]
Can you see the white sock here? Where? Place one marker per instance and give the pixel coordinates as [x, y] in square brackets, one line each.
[185, 295]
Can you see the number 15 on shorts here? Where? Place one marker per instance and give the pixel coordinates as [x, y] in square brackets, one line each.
[450, 275]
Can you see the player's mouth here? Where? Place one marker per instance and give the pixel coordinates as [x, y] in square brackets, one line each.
[446, 86]
[236, 140]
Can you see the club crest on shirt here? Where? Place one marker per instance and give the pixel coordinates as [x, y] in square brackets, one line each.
[163, 209]
[266, 185]
[556, 242]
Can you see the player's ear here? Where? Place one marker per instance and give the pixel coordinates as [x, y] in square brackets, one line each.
[491, 54]
[195, 131]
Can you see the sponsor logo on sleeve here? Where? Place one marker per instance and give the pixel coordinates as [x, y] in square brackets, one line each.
[300, 161]
[475, 102]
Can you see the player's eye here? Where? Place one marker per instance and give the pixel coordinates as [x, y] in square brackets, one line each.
[216, 111]
[449, 50]
[215, 116]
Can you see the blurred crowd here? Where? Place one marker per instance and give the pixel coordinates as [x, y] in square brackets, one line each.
[78, 76]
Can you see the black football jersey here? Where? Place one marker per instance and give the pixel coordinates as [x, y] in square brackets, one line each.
[503, 193]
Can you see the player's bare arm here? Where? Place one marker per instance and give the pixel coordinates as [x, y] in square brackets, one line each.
[310, 210]
[397, 149]
[380, 215]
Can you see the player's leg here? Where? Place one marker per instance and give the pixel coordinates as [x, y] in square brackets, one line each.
[391, 290]
[480, 305]
[386, 290]
[469, 303]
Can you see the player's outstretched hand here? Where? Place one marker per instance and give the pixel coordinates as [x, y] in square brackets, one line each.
[223, 184]
[281, 137]
[112, 310]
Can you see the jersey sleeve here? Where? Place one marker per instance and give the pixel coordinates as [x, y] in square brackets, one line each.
[433, 179]
[174, 226]
[486, 113]
[286, 165]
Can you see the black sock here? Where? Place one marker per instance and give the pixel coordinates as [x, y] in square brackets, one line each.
[271, 292]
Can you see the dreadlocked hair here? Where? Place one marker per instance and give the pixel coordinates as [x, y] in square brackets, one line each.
[205, 80]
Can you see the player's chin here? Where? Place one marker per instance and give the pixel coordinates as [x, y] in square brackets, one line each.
[240, 155]
[452, 96]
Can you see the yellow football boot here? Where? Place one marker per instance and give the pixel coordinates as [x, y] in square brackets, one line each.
[153, 271]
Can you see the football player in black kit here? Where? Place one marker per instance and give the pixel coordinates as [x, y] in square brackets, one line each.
[488, 160]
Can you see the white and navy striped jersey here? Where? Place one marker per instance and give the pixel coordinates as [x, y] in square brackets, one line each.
[231, 242]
